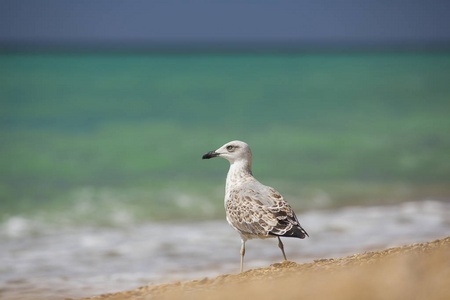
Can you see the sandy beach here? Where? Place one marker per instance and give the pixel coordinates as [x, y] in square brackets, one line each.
[416, 271]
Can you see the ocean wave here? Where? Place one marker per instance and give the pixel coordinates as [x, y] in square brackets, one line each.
[90, 257]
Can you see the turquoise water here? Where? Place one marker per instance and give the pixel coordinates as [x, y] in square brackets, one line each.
[102, 186]
[353, 127]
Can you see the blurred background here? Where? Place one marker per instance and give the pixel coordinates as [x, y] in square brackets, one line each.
[106, 108]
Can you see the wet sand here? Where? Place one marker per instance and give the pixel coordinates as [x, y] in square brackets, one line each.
[417, 271]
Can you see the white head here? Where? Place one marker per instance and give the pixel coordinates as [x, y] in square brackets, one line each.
[235, 151]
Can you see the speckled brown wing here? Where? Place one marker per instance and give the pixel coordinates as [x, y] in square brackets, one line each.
[261, 211]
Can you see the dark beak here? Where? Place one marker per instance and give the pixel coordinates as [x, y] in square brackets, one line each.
[210, 154]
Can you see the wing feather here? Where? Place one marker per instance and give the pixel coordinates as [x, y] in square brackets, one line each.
[260, 211]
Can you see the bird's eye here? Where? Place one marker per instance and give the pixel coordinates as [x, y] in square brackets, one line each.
[229, 147]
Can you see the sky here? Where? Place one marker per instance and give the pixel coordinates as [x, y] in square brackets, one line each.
[302, 21]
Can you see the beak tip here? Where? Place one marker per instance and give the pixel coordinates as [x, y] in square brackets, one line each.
[210, 154]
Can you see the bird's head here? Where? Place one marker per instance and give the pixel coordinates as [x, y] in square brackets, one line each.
[233, 152]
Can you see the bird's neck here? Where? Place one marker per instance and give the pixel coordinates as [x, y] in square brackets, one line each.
[239, 172]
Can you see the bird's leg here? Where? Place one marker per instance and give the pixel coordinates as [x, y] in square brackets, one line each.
[280, 244]
[242, 255]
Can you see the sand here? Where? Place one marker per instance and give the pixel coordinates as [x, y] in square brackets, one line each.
[417, 271]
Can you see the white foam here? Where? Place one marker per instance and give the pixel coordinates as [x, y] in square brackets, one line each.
[90, 259]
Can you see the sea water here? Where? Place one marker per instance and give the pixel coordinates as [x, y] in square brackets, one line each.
[42, 260]
[140, 123]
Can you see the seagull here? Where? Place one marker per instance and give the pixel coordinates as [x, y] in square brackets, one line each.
[253, 209]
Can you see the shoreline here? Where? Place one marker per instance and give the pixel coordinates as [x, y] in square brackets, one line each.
[419, 271]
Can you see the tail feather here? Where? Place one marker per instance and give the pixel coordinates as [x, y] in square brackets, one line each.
[296, 231]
